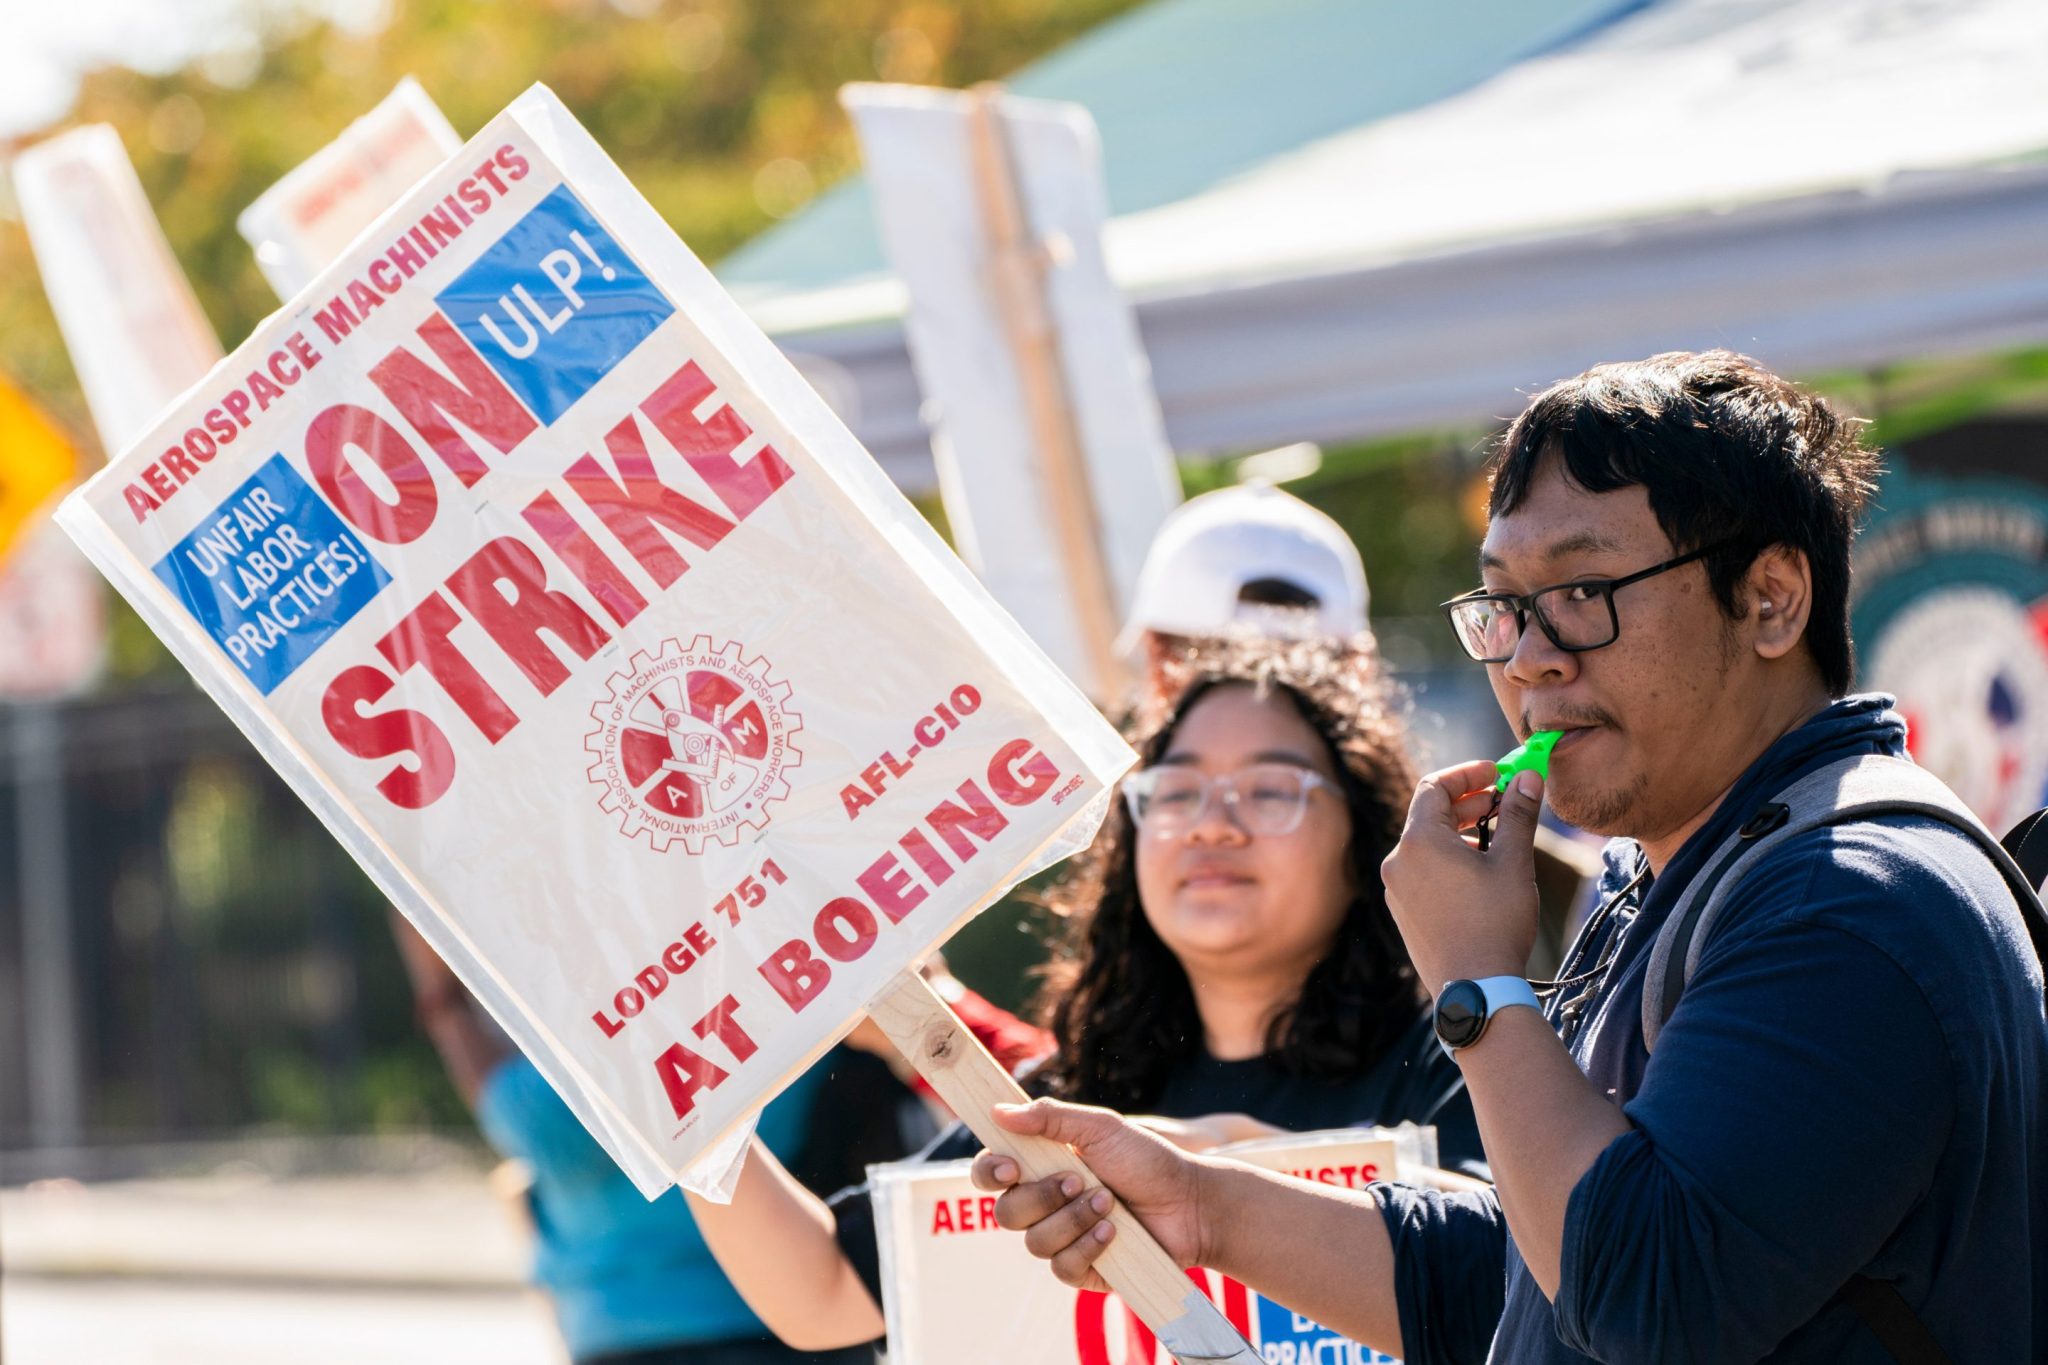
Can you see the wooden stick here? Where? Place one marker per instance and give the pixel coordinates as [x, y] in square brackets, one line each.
[1017, 260]
[927, 1032]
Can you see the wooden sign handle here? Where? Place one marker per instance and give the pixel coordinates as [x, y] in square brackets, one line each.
[927, 1032]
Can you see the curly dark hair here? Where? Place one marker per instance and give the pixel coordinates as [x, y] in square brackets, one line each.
[1727, 452]
[1117, 1000]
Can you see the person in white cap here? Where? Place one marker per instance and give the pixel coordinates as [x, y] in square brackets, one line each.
[1254, 560]
[1246, 560]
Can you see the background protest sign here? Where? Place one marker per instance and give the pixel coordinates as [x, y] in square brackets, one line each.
[594, 636]
[956, 1287]
[308, 218]
[1051, 451]
[136, 334]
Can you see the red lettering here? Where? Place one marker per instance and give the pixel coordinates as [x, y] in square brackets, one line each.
[942, 1217]
[652, 980]
[472, 195]
[302, 349]
[327, 443]
[471, 394]
[683, 1073]
[386, 734]
[514, 164]
[282, 369]
[677, 958]
[441, 228]
[406, 256]
[422, 638]
[221, 426]
[158, 482]
[594, 569]
[363, 298]
[1091, 1332]
[709, 445]
[266, 392]
[179, 462]
[851, 943]
[928, 859]
[490, 172]
[237, 404]
[724, 1021]
[139, 500]
[504, 585]
[891, 888]
[853, 798]
[605, 1022]
[1020, 774]
[628, 1002]
[641, 510]
[796, 974]
[385, 276]
[698, 937]
[336, 320]
[979, 817]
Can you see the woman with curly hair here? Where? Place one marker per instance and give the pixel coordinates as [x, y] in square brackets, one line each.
[1228, 963]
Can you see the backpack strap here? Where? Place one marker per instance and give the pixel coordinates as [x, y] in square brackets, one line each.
[2027, 842]
[1860, 788]
[1864, 787]
[1892, 1321]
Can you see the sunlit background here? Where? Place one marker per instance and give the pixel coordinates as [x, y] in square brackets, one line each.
[1373, 226]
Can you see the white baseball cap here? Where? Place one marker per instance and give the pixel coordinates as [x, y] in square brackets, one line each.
[1211, 547]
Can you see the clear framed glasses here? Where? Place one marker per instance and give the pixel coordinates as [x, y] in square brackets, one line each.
[1266, 798]
[1575, 616]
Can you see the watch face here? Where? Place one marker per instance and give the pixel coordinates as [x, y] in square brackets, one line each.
[1460, 1014]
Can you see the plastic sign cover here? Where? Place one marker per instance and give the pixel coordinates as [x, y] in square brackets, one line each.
[308, 218]
[957, 1287]
[596, 638]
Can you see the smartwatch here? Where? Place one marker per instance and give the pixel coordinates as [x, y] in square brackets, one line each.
[1463, 1008]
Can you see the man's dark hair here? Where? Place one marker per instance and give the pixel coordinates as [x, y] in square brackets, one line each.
[1726, 450]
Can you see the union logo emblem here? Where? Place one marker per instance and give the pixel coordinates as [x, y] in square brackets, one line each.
[693, 745]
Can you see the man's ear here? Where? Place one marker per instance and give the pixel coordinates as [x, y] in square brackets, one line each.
[1779, 587]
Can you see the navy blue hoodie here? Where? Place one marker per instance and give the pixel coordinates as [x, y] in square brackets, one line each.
[1854, 1082]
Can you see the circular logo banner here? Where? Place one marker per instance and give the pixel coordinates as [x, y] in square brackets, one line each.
[693, 745]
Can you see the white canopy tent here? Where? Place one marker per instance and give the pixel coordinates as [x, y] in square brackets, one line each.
[1829, 184]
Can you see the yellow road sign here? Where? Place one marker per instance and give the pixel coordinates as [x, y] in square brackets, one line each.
[35, 461]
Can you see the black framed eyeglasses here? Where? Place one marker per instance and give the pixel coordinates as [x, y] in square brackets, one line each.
[1575, 616]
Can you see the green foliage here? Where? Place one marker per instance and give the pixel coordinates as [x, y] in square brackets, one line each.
[723, 112]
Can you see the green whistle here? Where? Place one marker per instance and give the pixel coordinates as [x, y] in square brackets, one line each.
[1532, 757]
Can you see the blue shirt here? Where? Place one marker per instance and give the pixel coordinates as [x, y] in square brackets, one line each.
[624, 1272]
[1855, 1081]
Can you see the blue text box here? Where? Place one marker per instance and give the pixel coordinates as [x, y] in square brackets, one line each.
[554, 304]
[1288, 1338]
[272, 573]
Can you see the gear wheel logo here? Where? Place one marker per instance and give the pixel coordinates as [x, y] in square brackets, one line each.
[693, 745]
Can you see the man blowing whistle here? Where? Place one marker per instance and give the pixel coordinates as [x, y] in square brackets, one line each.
[1826, 1137]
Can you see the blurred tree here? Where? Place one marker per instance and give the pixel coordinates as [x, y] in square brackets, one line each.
[723, 112]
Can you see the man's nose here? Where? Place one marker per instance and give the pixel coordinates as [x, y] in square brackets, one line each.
[1536, 659]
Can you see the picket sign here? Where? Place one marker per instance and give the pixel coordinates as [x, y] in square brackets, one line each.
[1052, 454]
[300, 224]
[135, 332]
[578, 618]
[957, 1287]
